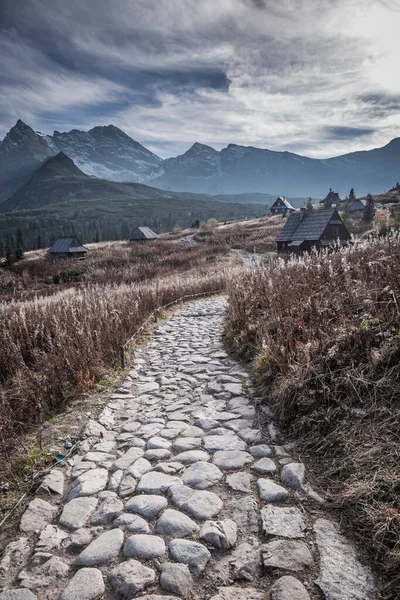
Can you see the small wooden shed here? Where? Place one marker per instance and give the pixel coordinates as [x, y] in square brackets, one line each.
[142, 234]
[310, 229]
[332, 200]
[67, 247]
[281, 206]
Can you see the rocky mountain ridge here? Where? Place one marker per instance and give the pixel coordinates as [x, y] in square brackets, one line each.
[108, 153]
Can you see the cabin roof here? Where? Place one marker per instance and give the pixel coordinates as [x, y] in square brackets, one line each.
[307, 225]
[357, 205]
[285, 202]
[64, 245]
[143, 233]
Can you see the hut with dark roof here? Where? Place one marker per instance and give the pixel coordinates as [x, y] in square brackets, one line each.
[142, 234]
[281, 206]
[67, 247]
[332, 200]
[310, 229]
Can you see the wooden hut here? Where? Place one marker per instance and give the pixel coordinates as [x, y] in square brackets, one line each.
[281, 206]
[67, 247]
[332, 200]
[142, 234]
[309, 229]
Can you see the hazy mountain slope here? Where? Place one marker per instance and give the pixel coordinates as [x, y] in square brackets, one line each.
[58, 180]
[238, 169]
[21, 152]
[108, 153]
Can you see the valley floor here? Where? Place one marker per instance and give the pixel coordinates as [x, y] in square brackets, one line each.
[182, 486]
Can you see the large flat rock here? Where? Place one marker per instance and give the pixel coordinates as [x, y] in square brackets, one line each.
[86, 584]
[284, 522]
[38, 514]
[341, 573]
[102, 550]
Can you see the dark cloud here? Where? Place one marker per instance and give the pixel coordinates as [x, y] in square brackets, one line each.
[171, 72]
[338, 132]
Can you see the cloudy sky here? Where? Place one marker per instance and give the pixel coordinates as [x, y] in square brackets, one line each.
[316, 77]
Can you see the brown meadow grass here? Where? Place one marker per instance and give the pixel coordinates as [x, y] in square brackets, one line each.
[323, 335]
[62, 338]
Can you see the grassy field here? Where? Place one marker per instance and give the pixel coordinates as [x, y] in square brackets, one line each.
[323, 335]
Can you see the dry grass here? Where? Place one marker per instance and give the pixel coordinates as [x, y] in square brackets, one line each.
[324, 336]
[64, 339]
[257, 234]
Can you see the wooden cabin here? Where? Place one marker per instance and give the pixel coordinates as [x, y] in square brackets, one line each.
[67, 247]
[281, 206]
[332, 200]
[357, 207]
[308, 229]
[142, 234]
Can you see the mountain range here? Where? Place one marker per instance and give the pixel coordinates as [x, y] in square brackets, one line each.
[107, 153]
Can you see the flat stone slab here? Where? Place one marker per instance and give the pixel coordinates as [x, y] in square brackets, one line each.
[53, 483]
[203, 505]
[77, 512]
[265, 466]
[176, 579]
[271, 492]
[240, 482]
[157, 483]
[244, 511]
[175, 524]
[127, 459]
[186, 443]
[102, 550]
[131, 523]
[131, 577]
[202, 475]
[86, 584]
[293, 475]
[144, 546]
[288, 588]
[284, 522]
[192, 554]
[108, 510]
[139, 468]
[261, 450]
[220, 534]
[341, 573]
[89, 483]
[38, 514]
[232, 460]
[286, 554]
[146, 505]
[192, 456]
[213, 443]
[235, 593]
[21, 594]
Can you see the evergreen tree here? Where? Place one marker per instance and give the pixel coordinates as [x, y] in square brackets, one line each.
[309, 204]
[352, 196]
[39, 240]
[369, 210]
[19, 248]
[10, 258]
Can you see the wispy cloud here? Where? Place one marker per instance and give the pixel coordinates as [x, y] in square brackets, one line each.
[314, 77]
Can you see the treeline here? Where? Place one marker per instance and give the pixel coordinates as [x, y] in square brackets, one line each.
[100, 221]
[13, 248]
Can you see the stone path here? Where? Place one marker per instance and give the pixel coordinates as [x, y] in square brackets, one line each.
[178, 492]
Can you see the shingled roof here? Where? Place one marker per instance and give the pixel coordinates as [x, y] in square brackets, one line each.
[67, 245]
[143, 233]
[285, 202]
[308, 225]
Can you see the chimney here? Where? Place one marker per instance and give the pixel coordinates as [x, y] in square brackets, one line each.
[302, 213]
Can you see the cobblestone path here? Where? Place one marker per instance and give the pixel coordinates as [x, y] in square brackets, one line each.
[177, 492]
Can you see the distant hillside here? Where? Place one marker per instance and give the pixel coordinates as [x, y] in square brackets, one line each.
[59, 180]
